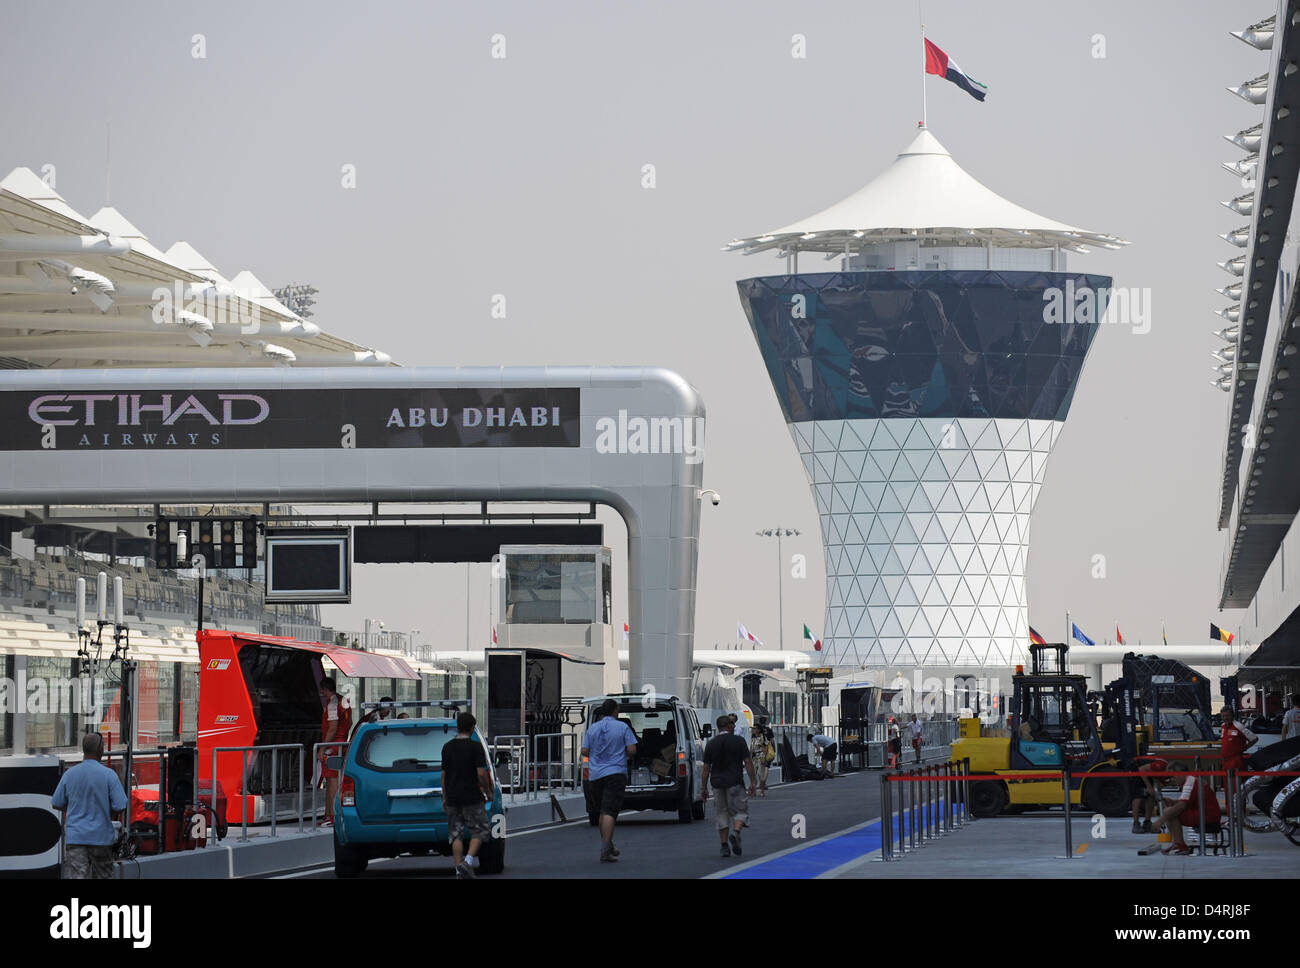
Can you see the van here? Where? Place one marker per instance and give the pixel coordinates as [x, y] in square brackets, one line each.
[665, 773]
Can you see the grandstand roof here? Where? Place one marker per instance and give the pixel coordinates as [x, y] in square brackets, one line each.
[95, 292]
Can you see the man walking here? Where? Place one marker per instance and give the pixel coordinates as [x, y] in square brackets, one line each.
[607, 747]
[336, 719]
[915, 727]
[726, 760]
[1291, 721]
[466, 784]
[89, 794]
[762, 751]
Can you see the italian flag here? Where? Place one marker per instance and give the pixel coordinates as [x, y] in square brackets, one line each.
[817, 643]
[937, 62]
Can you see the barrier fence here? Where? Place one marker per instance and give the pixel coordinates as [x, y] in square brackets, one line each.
[932, 801]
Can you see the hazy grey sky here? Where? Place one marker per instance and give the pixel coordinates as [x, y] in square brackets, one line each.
[522, 176]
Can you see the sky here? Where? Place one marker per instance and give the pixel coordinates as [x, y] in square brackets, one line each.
[474, 176]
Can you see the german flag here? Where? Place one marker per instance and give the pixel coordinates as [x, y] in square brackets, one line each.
[1220, 635]
[1035, 638]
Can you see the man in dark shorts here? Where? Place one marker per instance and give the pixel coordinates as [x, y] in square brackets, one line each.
[1144, 797]
[608, 745]
[726, 759]
[466, 783]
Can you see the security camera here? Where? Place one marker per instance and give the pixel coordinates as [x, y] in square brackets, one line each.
[717, 499]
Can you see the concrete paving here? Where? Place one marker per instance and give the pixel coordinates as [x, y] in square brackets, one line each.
[1033, 846]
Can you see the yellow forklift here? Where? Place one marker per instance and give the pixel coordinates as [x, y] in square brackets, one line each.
[1052, 729]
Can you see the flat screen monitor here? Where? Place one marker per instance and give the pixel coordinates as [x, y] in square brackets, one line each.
[311, 566]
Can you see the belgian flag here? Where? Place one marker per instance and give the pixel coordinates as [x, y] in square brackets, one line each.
[1219, 635]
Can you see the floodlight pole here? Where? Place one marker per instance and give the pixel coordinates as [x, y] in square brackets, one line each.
[779, 533]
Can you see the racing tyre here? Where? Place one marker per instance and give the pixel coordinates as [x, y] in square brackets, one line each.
[988, 798]
[697, 810]
[492, 856]
[1107, 795]
[347, 861]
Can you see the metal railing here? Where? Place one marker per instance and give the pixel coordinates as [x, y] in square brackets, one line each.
[549, 773]
[516, 749]
[921, 805]
[244, 751]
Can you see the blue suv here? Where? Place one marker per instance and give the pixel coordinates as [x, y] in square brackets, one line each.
[390, 793]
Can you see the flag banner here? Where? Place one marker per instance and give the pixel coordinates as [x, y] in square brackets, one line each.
[745, 635]
[1118, 638]
[1037, 639]
[1078, 634]
[494, 642]
[1220, 635]
[807, 634]
[939, 63]
[817, 647]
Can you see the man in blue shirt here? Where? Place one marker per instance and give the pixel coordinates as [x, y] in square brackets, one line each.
[89, 794]
[608, 745]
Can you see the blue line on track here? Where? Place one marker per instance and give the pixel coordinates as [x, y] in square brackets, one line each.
[816, 859]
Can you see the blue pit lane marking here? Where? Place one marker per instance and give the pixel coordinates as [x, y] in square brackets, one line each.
[819, 858]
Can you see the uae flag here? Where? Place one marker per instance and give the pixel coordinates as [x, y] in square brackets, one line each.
[817, 643]
[1035, 638]
[1220, 635]
[937, 62]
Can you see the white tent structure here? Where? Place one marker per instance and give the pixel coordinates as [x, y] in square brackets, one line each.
[924, 195]
[94, 292]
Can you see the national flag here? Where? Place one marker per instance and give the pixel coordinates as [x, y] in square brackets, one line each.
[1118, 636]
[494, 635]
[1163, 637]
[817, 643]
[1035, 638]
[1221, 635]
[626, 630]
[1077, 633]
[937, 62]
[745, 635]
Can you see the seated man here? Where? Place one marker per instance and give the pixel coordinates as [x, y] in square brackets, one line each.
[1184, 812]
[1144, 796]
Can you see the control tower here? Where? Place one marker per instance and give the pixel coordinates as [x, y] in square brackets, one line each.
[925, 384]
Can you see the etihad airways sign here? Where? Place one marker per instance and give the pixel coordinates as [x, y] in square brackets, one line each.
[362, 418]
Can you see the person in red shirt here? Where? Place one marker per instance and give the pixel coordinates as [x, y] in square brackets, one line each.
[336, 720]
[1234, 739]
[1185, 812]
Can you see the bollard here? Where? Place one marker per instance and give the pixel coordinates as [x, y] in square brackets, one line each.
[902, 839]
[947, 796]
[1229, 804]
[886, 821]
[1069, 834]
[911, 813]
[933, 786]
[300, 785]
[1200, 804]
[967, 816]
[275, 783]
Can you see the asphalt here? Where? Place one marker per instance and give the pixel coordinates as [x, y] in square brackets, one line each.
[653, 844]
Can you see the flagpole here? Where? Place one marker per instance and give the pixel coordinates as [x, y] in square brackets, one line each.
[923, 103]
[1068, 639]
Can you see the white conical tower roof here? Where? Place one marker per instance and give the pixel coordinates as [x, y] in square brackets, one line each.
[924, 193]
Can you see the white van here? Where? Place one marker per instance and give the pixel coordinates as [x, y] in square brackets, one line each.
[665, 773]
